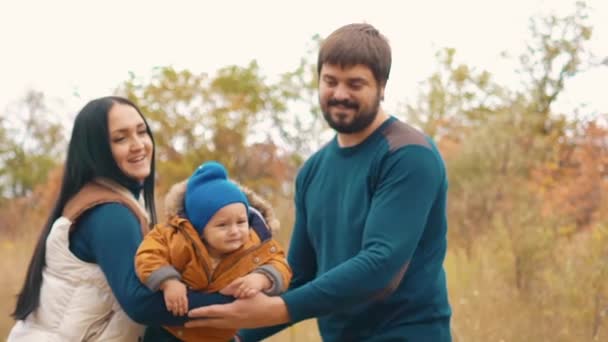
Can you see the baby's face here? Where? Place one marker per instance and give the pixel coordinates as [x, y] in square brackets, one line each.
[227, 230]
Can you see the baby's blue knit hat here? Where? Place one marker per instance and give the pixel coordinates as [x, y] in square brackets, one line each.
[209, 190]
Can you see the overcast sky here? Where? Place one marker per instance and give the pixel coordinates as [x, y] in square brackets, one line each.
[74, 51]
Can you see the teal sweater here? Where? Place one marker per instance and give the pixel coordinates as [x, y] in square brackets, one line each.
[369, 241]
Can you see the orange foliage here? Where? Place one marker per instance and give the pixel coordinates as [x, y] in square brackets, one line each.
[574, 184]
[28, 214]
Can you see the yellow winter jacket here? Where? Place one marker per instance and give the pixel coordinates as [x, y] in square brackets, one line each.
[176, 243]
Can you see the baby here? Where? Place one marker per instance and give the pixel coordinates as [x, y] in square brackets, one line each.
[217, 242]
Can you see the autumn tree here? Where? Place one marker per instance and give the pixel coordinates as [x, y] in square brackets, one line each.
[298, 117]
[225, 117]
[31, 144]
[557, 52]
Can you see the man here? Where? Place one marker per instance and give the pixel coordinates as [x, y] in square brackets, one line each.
[369, 238]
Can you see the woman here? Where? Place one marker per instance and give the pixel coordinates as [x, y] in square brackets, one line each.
[81, 284]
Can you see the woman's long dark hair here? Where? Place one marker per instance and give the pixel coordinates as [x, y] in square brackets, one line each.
[89, 156]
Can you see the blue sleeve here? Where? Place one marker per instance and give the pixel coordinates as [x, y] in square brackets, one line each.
[410, 179]
[301, 258]
[109, 236]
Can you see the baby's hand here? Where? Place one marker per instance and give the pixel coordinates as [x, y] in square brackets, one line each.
[176, 298]
[247, 286]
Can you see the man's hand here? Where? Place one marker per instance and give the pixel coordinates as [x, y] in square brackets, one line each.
[247, 286]
[176, 298]
[257, 311]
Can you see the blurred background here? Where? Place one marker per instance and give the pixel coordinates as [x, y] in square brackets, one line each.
[513, 92]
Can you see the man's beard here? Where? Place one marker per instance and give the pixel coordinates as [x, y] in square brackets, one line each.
[361, 120]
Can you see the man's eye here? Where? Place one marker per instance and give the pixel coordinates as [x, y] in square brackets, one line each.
[329, 82]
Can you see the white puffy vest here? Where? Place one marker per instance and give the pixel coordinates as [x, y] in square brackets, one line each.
[76, 302]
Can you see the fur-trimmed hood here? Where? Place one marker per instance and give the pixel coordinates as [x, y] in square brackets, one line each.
[174, 203]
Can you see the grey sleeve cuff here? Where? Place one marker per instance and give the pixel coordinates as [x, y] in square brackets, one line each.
[275, 277]
[157, 277]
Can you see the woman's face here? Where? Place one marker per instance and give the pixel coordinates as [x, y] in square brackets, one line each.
[130, 142]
